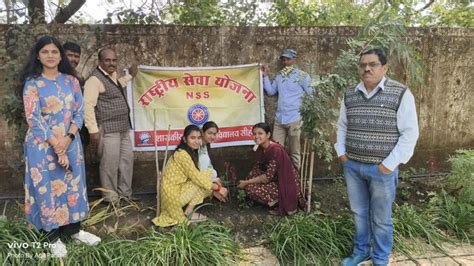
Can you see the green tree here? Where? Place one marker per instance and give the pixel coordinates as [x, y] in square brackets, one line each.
[319, 111]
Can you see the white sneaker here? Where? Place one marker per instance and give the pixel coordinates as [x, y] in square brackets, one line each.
[86, 238]
[58, 249]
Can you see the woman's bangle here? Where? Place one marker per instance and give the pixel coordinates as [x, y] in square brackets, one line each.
[218, 187]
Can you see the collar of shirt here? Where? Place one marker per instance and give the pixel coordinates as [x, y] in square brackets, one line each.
[361, 87]
[113, 76]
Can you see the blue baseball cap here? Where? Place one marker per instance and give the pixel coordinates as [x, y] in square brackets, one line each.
[288, 53]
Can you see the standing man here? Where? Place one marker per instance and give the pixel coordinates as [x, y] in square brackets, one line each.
[290, 84]
[377, 131]
[107, 116]
[73, 54]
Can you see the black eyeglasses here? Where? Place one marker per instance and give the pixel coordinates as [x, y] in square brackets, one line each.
[372, 65]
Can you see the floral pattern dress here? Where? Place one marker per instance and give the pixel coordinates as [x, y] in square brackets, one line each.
[54, 196]
[283, 187]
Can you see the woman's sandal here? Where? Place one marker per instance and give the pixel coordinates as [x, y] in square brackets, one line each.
[273, 203]
[197, 218]
[274, 212]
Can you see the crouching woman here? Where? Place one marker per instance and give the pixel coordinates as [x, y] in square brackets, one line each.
[273, 180]
[183, 185]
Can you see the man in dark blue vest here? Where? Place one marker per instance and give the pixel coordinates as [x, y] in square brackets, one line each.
[377, 131]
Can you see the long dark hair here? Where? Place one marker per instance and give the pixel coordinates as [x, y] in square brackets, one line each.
[184, 146]
[266, 127]
[33, 67]
[205, 127]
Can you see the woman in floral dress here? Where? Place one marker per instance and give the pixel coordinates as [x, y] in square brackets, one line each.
[273, 180]
[55, 182]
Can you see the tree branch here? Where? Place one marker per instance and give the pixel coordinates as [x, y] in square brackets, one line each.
[36, 11]
[426, 6]
[67, 12]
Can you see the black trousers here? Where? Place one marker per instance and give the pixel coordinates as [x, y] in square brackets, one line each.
[62, 231]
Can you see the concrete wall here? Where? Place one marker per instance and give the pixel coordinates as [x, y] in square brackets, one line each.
[445, 104]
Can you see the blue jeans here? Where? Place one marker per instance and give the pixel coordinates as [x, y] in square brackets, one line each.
[371, 194]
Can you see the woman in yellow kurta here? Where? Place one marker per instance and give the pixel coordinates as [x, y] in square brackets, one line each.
[183, 185]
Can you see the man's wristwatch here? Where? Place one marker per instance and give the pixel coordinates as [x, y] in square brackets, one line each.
[71, 136]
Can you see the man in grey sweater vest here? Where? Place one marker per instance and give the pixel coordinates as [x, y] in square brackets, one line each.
[107, 117]
[377, 131]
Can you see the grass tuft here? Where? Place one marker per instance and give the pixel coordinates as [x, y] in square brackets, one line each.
[311, 239]
[412, 227]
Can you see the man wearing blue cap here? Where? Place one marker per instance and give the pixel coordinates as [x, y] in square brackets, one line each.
[290, 84]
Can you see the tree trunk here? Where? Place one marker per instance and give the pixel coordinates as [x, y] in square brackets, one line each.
[66, 13]
[36, 12]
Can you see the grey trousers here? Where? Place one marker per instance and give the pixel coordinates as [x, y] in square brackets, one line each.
[292, 131]
[116, 164]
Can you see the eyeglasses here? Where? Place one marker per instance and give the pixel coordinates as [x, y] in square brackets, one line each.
[372, 65]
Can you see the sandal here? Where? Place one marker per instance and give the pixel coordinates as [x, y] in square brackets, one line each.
[197, 218]
[272, 203]
[274, 212]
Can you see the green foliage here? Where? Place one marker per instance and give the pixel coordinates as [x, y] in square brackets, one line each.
[452, 215]
[244, 203]
[454, 207]
[131, 16]
[191, 13]
[319, 111]
[411, 224]
[202, 244]
[310, 239]
[317, 13]
[461, 178]
[19, 233]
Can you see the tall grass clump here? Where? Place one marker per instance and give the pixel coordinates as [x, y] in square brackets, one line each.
[411, 226]
[310, 239]
[454, 207]
[21, 244]
[454, 216]
[461, 179]
[201, 244]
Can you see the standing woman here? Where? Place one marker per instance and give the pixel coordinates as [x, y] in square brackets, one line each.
[183, 185]
[273, 180]
[55, 183]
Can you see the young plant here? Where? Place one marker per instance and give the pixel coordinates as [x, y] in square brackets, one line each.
[242, 199]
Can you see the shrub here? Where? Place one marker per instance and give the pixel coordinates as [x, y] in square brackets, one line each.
[412, 225]
[310, 239]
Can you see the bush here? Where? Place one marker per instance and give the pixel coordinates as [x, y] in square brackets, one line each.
[310, 239]
[203, 244]
[452, 215]
[412, 225]
[20, 244]
[461, 179]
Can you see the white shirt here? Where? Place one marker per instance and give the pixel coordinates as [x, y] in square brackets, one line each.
[407, 123]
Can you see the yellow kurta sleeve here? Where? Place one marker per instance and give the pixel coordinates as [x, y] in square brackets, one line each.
[202, 179]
